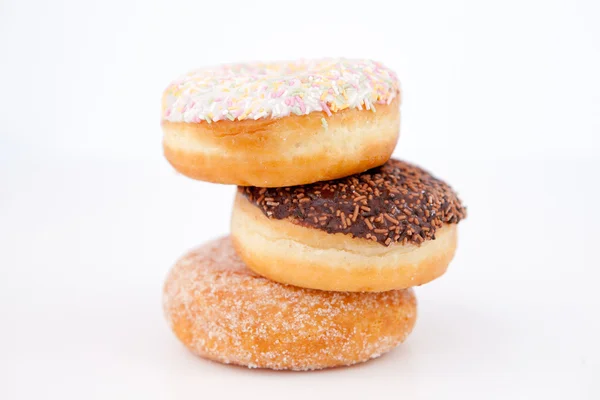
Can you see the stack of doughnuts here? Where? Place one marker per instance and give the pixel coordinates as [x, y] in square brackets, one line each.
[328, 234]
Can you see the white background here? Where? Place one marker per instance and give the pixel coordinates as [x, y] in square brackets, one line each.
[501, 99]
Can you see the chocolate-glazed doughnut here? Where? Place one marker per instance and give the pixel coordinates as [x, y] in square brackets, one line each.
[387, 228]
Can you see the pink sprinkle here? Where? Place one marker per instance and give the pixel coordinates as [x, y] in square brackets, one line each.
[289, 101]
[325, 108]
[300, 104]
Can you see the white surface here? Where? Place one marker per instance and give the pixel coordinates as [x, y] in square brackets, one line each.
[509, 77]
[499, 99]
[86, 245]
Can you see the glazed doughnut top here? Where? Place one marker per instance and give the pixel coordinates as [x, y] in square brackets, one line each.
[395, 203]
[278, 89]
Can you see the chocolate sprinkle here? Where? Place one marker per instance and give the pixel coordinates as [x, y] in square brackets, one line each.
[395, 203]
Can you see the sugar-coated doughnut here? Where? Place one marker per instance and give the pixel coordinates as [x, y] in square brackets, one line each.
[222, 311]
[281, 123]
[391, 227]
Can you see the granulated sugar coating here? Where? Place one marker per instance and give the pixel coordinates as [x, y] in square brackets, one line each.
[223, 311]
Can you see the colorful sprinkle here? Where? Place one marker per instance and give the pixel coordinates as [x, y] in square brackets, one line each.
[278, 89]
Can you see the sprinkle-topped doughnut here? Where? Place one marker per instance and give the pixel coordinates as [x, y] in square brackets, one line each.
[278, 89]
[395, 203]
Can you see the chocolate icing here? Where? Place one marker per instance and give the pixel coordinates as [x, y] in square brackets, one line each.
[395, 203]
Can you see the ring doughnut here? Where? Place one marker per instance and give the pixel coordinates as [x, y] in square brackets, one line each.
[281, 123]
[391, 227]
[222, 311]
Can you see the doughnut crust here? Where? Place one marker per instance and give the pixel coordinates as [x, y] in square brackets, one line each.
[222, 311]
[307, 257]
[287, 151]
